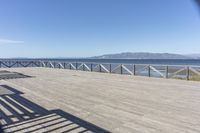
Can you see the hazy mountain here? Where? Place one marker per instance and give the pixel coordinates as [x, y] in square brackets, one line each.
[142, 55]
[195, 56]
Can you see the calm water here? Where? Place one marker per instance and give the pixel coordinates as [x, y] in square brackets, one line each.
[133, 61]
[136, 61]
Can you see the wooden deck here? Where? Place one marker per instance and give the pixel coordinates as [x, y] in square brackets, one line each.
[57, 100]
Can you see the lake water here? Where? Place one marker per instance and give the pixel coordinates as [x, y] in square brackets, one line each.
[136, 61]
[125, 61]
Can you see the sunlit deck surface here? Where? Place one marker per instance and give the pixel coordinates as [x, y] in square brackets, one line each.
[57, 100]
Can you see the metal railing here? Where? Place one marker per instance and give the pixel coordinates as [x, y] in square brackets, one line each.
[18, 63]
[162, 71]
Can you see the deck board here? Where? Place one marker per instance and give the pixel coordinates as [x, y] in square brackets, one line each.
[116, 103]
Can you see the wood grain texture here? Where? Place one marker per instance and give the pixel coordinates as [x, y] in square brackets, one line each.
[117, 103]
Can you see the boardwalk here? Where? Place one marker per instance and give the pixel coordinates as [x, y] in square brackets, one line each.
[57, 100]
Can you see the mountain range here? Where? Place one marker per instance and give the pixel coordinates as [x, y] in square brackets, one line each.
[146, 55]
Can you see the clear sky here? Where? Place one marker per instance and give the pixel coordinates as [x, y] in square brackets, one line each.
[82, 28]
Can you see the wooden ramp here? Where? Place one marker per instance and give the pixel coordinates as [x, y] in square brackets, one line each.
[56, 100]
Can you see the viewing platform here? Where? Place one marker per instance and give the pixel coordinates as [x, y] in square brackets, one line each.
[59, 100]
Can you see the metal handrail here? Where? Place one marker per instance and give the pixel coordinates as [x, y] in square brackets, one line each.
[164, 71]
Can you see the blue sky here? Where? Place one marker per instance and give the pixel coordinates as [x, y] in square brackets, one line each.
[82, 28]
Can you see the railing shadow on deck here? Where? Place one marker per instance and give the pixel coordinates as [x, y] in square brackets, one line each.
[12, 75]
[1, 130]
[19, 114]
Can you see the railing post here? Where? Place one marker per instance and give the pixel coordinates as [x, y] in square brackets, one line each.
[59, 65]
[166, 72]
[42, 64]
[83, 67]
[134, 69]
[32, 63]
[91, 67]
[54, 64]
[64, 65]
[70, 66]
[149, 71]
[0, 64]
[121, 69]
[110, 68]
[99, 67]
[17, 64]
[187, 73]
[76, 65]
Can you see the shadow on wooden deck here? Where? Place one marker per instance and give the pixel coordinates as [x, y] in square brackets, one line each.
[18, 114]
[12, 75]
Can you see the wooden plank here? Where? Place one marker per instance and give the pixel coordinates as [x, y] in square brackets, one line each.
[117, 103]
